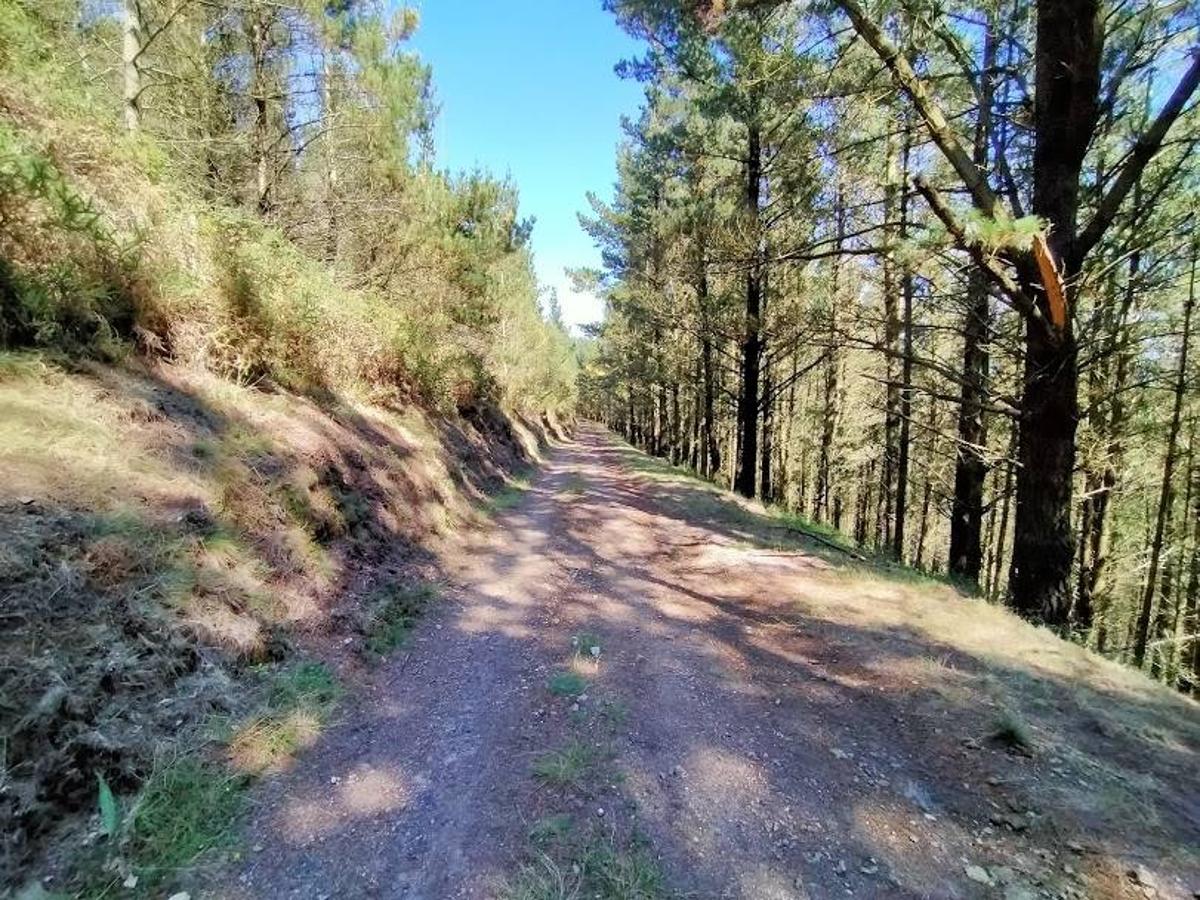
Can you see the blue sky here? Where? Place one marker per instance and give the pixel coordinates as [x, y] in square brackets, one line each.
[526, 88]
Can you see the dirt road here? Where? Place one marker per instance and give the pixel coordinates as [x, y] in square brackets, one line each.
[757, 722]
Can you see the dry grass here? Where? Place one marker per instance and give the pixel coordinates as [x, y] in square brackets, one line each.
[152, 514]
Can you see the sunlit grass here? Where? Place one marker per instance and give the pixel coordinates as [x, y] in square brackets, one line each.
[298, 701]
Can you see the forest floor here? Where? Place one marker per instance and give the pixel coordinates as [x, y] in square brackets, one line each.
[637, 685]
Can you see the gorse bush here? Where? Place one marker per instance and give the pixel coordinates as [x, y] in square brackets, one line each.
[64, 278]
[328, 264]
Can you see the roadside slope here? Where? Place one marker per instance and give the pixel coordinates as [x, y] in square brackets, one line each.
[175, 544]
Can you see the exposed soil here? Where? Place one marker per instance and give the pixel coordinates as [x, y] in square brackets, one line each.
[795, 728]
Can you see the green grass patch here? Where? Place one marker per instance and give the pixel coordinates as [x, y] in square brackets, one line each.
[613, 713]
[566, 767]
[796, 522]
[597, 869]
[567, 684]
[392, 610]
[614, 874]
[575, 484]
[186, 809]
[298, 702]
[510, 495]
[587, 645]
[551, 829]
[309, 685]
[1009, 730]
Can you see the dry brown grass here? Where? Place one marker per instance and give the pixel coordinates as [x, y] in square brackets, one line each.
[154, 514]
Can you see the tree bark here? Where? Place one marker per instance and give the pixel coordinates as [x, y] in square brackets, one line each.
[748, 398]
[131, 67]
[903, 446]
[259, 28]
[970, 469]
[1166, 495]
[765, 488]
[1070, 41]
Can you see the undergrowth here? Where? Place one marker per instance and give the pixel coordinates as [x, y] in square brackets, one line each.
[510, 495]
[565, 767]
[188, 807]
[596, 868]
[391, 612]
[190, 804]
[567, 684]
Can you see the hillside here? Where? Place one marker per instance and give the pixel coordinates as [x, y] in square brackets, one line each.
[227, 457]
[176, 549]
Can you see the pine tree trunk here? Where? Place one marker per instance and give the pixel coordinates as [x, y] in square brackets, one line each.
[970, 469]
[903, 447]
[676, 428]
[259, 36]
[822, 501]
[329, 113]
[1005, 512]
[1188, 678]
[765, 490]
[748, 398]
[892, 188]
[1166, 494]
[131, 65]
[1070, 41]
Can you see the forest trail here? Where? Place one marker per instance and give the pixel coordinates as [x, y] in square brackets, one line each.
[765, 722]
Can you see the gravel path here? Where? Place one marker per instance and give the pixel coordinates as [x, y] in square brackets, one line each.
[764, 754]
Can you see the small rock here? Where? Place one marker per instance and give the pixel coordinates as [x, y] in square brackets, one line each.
[181, 895]
[840, 868]
[1141, 875]
[978, 874]
[600, 811]
[1012, 821]
[130, 881]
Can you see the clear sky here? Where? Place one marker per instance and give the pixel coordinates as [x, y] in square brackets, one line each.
[526, 88]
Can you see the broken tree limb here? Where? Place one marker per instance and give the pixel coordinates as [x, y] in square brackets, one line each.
[1023, 303]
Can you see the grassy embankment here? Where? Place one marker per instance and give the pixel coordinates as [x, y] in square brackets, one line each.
[224, 467]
